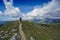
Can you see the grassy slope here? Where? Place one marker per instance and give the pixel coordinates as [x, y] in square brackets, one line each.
[8, 27]
[41, 31]
[38, 31]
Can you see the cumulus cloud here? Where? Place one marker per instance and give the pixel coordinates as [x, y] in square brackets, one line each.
[7, 19]
[50, 10]
[13, 12]
[10, 12]
[1, 13]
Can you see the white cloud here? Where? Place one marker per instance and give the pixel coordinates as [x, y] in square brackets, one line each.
[50, 10]
[7, 18]
[1, 13]
[10, 10]
[13, 12]
[10, 13]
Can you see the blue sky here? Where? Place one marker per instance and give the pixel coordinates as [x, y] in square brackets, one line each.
[24, 5]
[28, 5]
[29, 9]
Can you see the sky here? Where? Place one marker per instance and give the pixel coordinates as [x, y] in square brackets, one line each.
[29, 9]
[24, 5]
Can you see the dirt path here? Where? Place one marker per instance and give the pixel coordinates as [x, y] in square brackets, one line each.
[21, 32]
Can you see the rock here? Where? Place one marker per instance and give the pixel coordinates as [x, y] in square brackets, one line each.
[6, 32]
[31, 38]
[2, 31]
[13, 30]
[15, 37]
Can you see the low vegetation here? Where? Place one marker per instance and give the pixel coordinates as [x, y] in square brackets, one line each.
[9, 29]
[41, 31]
[37, 30]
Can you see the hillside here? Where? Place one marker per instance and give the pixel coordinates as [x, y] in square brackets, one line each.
[7, 31]
[42, 31]
[37, 30]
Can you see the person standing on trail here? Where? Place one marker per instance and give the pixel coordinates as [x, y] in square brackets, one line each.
[20, 19]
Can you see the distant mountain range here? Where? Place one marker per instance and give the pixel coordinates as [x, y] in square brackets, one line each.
[3, 22]
[49, 20]
[46, 20]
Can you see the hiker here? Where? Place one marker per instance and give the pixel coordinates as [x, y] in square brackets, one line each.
[20, 19]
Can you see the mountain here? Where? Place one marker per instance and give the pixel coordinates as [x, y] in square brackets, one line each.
[3, 22]
[46, 20]
[50, 20]
[38, 31]
[8, 30]
[36, 20]
[41, 31]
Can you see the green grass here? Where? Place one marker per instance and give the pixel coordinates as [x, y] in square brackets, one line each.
[8, 27]
[37, 30]
[41, 31]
